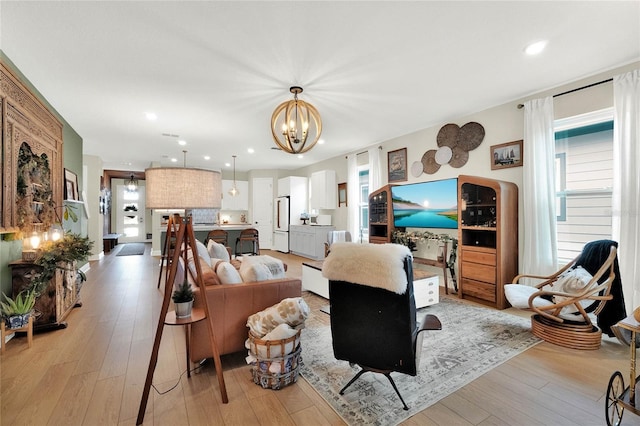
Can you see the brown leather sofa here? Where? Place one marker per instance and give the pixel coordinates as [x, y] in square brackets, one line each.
[230, 305]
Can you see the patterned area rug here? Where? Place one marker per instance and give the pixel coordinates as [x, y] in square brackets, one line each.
[473, 340]
[131, 249]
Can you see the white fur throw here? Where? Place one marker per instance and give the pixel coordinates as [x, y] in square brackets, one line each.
[261, 268]
[374, 265]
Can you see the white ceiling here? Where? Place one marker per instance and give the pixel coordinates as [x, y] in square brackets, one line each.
[214, 71]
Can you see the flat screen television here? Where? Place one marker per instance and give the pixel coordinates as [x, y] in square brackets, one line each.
[426, 204]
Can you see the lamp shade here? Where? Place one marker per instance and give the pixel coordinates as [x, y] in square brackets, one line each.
[182, 188]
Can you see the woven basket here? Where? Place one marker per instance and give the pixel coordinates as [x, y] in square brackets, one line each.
[287, 366]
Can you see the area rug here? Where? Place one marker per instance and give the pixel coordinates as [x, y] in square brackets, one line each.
[131, 249]
[473, 340]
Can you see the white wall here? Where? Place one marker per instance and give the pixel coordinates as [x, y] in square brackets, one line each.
[502, 123]
[92, 166]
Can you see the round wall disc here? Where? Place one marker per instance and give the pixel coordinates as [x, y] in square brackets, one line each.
[448, 135]
[416, 169]
[459, 157]
[429, 164]
[443, 155]
[471, 136]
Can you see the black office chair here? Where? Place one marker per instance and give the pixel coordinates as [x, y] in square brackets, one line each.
[373, 327]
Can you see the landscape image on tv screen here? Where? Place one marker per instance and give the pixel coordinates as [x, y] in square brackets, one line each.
[426, 204]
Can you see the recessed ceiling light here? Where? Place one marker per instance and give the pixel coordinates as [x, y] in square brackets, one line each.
[321, 142]
[206, 157]
[151, 116]
[174, 160]
[300, 156]
[251, 150]
[535, 48]
[181, 142]
[227, 164]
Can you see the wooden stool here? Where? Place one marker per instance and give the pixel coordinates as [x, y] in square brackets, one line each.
[4, 331]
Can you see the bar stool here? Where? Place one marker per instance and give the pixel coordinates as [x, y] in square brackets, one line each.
[248, 236]
[219, 236]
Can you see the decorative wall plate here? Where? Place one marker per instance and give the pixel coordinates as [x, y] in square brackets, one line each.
[459, 157]
[416, 169]
[443, 155]
[471, 136]
[429, 164]
[448, 135]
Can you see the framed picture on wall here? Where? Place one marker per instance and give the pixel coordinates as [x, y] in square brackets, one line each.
[397, 165]
[342, 194]
[70, 186]
[506, 155]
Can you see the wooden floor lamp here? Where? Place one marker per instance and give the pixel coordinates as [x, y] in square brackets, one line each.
[181, 188]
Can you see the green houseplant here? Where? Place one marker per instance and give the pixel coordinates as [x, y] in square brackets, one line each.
[16, 312]
[62, 254]
[183, 300]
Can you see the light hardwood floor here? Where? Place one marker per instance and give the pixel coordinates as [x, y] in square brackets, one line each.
[93, 372]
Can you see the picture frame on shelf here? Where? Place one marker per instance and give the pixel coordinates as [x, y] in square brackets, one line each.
[506, 155]
[70, 186]
[342, 194]
[397, 165]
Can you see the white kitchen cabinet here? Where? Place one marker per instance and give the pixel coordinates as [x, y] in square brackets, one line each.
[323, 190]
[240, 201]
[293, 186]
[308, 240]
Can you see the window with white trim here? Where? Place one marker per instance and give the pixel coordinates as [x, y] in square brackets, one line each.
[584, 180]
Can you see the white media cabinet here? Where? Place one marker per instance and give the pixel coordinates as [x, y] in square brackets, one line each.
[425, 284]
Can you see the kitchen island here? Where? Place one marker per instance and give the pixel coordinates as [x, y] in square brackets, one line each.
[201, 230]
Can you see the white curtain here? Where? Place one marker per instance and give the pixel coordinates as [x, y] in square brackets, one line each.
[539, 254]
[626, 182]
[353, 197]
[375, 172]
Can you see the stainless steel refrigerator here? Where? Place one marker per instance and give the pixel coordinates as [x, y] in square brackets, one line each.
[282, 216]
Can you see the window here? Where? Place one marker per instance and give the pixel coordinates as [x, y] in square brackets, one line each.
[363, 205]
[584, 180]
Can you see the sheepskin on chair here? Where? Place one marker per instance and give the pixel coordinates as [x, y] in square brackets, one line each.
[374, 265]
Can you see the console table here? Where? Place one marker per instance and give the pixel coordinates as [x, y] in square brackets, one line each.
[425, 284]
[56, 301]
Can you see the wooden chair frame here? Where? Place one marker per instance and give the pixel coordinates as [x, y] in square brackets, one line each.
[593, 291]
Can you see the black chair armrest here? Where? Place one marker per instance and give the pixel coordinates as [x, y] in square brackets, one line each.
[430, 322]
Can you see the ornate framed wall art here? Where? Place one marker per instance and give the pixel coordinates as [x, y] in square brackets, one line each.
[32, 157]
[397, 165]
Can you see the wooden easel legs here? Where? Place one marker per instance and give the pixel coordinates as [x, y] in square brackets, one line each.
[186, 236]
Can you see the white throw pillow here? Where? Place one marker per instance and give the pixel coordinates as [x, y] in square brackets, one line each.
[203, 252]
[228, 274]
[518, 295]
[573, 281]
[218, 251]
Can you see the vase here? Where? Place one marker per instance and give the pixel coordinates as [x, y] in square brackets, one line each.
[17, 321]
[183, 309]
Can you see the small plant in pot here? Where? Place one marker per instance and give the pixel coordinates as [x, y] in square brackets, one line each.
[183, 300]
[16, 312]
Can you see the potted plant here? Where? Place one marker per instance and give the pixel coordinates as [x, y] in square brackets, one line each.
[16, 312]
[183, 300]
[62, 254]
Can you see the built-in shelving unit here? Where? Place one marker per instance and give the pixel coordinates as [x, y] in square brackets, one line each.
[380, 216]
[488, 238]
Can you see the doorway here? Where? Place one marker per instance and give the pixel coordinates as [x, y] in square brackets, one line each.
[262, 210]
[130, 214]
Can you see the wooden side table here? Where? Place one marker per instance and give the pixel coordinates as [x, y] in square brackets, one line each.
[4, 331]
[197, 314]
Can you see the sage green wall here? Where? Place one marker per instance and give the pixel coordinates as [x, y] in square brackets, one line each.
[72, 159]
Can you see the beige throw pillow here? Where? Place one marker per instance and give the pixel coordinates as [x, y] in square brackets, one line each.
[217, 251]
